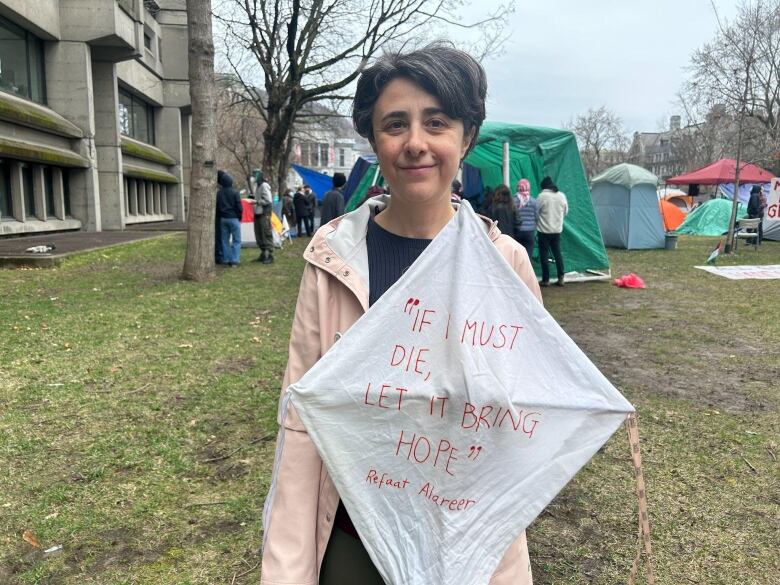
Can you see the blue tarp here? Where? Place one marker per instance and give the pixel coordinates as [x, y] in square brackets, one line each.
[362, 163]
[727, 190]
[320, 183]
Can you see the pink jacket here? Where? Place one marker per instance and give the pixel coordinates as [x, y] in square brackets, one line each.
[301, 504]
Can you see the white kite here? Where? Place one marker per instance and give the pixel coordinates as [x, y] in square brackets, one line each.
[453, 412]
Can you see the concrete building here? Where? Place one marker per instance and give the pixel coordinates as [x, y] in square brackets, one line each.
[661, 153]
[329, 146]
[94, 114]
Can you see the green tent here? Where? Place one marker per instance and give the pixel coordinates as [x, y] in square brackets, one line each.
[710, 218]
[534, 153]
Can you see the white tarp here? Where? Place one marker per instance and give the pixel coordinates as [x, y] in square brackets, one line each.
[452, 413]
[765, 272]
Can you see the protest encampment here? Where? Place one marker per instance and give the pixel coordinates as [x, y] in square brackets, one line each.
[396, 293]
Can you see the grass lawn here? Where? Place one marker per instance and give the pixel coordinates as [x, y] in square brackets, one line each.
[138, 419]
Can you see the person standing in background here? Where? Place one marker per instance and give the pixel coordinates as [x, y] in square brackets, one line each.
[527, 216]
[456, 192]
[553, 207]
[311, 204]
[503, 210]
[288, 208]
[333, 202]
[299, 202]
[218, 259]
[229, 212]
[756, 208]
[263, 208]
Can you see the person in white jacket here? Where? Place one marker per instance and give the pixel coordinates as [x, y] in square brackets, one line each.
[553, 208]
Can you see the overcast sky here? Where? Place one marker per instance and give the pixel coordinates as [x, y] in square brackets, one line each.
[566, 56]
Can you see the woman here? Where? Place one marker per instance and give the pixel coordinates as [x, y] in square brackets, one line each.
[527, 216]
[288, 208]
[503, 210]
[553, 207]
[420, 125]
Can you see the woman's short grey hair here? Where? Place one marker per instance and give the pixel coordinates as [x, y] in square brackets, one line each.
[452, 76]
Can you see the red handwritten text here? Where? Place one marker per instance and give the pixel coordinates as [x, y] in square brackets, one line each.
[420, 449]
[481, 333]
[489, 416]
[385, 398]
[453, 504]
[374, 478]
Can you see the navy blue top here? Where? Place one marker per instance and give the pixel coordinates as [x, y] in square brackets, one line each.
[389, 256]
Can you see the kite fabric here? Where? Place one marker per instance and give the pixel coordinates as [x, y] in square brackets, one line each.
[469, 411]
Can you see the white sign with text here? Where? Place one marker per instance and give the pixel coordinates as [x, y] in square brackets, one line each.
[453, 412]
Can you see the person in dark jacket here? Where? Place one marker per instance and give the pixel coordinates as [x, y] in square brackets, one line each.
[288, 208]
[229, 212]
[503, 210]
[333, 202]
[217, 228]
[311, 199]
[487, 202]
[755, 209]
[303, 212]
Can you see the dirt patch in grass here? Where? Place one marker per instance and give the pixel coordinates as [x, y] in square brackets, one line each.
[235, 365]
[624, 361]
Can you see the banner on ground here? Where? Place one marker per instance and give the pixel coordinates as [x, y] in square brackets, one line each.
[453, 412]
[766, 272]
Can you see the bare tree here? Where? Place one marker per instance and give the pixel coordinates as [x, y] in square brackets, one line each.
[737, 75]
[600, 131]
[739, 70]
[239, 130]
[307, 52]
[199, 258]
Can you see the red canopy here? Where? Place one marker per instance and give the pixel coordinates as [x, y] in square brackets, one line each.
[723, 172]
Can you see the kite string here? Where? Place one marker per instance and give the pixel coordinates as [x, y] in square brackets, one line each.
[643, 538]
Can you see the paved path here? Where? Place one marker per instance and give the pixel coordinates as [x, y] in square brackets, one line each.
[12, 250]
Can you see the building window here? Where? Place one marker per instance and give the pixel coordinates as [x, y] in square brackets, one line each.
[21, 62]
[323, 154]
[136, 117]
[148, 41]
[28, 191]
[66, 191]
[145, 200]
[48, 187]
[342, 158]
[159, 49]
[6, 201]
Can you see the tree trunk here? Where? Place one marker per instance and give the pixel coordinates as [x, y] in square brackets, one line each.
[199, 259]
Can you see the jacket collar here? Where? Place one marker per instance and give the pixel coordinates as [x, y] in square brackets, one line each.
[339, 247]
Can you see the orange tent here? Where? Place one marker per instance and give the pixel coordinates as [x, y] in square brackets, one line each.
[673, 216]
[684, 202]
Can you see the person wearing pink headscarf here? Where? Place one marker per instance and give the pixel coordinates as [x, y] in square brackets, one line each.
[527, 213]
[523, 193]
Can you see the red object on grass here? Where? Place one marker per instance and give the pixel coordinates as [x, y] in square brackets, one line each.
[721, 172]
[629, 281]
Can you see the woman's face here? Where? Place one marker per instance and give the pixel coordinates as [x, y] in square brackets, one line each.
[418, 146]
